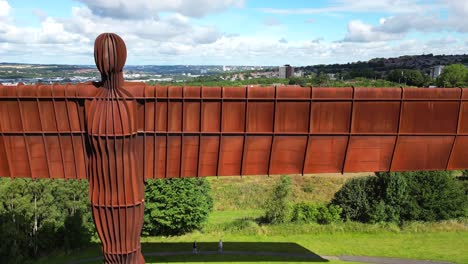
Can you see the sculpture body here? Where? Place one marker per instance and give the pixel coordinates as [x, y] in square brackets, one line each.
[117, 134]
[116, 189]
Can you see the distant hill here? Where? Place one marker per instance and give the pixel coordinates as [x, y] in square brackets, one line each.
[379, 67]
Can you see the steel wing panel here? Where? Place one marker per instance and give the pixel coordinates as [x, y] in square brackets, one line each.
[220, 131]
[209, 131]
[42, 131]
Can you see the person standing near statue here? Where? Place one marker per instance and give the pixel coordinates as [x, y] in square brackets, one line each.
[195, 249]
[220, 246]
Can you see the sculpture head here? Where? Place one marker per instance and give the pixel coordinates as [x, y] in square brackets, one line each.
[110, 54]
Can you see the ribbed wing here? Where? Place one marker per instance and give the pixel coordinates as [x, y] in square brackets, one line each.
[42, 132]
[208, 131]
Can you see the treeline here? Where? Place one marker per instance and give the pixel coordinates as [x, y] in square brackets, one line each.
[455, 75]
[387, 197]
[39, 217]
[382, 66]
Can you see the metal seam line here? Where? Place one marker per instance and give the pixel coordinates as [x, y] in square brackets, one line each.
[397, 138]
[218, 163]
[71, 136]
[155, 139]
[181, 151]
[144, 136]
[274, 130]
[194, 99]
[200, 124]
[457, 130]
[26, 143]
[44, 141]
[246, 108]
[82, 125]
[349, 130]
[59, 138]
[306, 152]
[167, 134]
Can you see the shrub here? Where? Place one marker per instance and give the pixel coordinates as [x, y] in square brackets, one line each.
[304, 213]
[355, 198]
[434, 196]
[277, 205]
[406, 196]
[329, 214]
[176, 206]
[311, 213]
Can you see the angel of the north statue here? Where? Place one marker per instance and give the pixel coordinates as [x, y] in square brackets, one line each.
[116, 134]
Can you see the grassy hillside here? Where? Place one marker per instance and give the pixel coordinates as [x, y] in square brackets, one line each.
[249, 192]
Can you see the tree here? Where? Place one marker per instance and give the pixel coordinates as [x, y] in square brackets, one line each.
[434, 196]
[356, 198]
[277, 205]
[176, 206]
[298, 81]
[409, 77]
[403, 196]
[40, 216]
[321, 79]
[455, 75]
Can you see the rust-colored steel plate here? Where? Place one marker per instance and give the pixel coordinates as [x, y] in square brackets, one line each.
[459, 155]
[288, 155]
[422, 153]
[325, 154]
[375, 117]
[372, 153]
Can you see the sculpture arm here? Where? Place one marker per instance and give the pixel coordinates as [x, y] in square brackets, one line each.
[209, 131]
[42, 133]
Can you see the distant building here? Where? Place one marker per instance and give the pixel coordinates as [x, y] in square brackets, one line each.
[286, 71]
[298, 74]
[332, 76]
[436, 71]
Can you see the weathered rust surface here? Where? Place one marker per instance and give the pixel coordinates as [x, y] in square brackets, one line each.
[117, 134]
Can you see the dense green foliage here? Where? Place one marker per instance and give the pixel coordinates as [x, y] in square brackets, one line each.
[409, 77]
[406, 196]
[310, 213]
[175, 206]
[41, 216]
[277, 205]
[455, 75]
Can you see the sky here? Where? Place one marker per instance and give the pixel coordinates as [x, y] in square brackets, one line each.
[232, 32]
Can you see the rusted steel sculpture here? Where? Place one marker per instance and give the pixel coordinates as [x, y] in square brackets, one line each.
[117, 134]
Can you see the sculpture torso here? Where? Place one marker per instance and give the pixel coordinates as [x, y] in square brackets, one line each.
[116, 189]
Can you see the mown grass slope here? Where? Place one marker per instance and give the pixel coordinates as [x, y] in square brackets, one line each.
[250, 192]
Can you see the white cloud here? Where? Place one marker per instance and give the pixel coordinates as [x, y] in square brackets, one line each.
[137, 9]
[359, 31]
[361, 6]
[4, 8]
[176, 37]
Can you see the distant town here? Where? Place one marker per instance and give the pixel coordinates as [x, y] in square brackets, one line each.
[429, 67]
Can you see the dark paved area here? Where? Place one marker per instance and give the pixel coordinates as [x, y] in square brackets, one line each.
[312, 257]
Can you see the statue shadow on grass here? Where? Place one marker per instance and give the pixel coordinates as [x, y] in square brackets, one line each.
[161, 252]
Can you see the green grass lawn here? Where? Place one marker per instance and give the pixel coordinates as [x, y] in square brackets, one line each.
[443, 241]
[443, 246]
